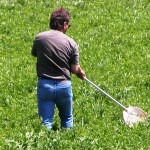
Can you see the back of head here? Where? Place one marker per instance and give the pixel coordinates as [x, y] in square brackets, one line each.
[57, 19]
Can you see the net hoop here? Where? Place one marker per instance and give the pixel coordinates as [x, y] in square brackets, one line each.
[133, 115]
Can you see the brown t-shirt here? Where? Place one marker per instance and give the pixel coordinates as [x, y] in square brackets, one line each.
[55, 53]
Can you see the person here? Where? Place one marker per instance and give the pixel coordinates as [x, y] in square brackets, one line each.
[57, 58]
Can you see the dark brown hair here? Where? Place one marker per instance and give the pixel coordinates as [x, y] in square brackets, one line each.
[58, 17]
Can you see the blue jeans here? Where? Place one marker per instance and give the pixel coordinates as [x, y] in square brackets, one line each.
[51, 93]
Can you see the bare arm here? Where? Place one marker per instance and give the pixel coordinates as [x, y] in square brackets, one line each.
[77, 70]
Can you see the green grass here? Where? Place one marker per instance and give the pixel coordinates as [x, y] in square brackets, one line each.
[114, 42]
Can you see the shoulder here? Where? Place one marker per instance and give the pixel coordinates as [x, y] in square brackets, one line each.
[42, 34]
[71, 41]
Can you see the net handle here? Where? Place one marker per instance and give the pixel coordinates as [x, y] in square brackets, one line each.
[99, 89]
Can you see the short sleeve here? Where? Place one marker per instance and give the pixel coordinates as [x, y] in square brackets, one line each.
[33, 50]
[75, 55]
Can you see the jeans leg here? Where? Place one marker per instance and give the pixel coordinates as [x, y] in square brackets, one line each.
[46, 105]
[64, 104]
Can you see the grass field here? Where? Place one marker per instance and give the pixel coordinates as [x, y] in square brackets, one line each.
[114, 43]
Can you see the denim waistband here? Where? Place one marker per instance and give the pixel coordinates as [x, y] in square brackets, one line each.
[48, 78]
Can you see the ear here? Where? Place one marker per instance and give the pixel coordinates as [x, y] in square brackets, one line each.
[65, 27]
[65, 24]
